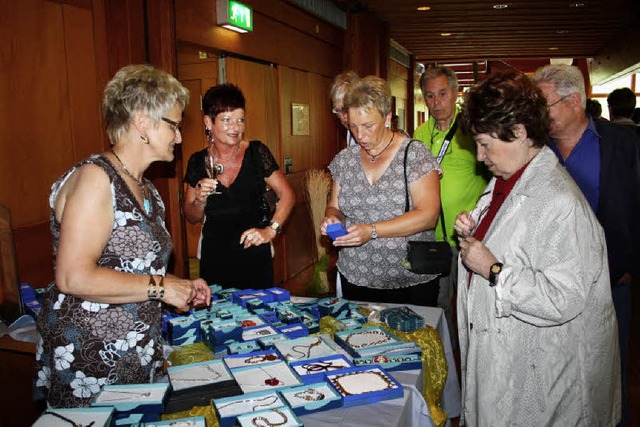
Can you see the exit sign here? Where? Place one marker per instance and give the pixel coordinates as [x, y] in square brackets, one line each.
[234, 16]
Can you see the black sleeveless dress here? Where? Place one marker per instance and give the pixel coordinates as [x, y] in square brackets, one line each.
[223, 260]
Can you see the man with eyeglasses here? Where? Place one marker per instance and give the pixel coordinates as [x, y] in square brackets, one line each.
[604, 160]
[341, 85]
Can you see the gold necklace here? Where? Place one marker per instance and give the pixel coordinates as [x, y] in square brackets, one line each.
[222, 159]
[375, 157]
[143, 187]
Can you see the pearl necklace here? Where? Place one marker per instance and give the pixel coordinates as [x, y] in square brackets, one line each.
[374, 157]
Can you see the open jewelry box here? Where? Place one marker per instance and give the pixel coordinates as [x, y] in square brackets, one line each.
[95, 417]
[369, 341]
[281, 417]
[196, 384]
[311, 398]
[314, 370]
[147, 399]
[365, 385]
[304, 348]
[181, 422]
[265, 376]
[229, 408]
[235, 361]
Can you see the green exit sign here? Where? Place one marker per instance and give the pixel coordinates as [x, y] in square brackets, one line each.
[234, 16]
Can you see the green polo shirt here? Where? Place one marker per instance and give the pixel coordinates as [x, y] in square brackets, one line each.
[463, 177]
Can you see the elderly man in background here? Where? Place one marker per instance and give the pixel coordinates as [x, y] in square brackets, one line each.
[462, 176]
[621, 103]
[604, 160]
[341, 85]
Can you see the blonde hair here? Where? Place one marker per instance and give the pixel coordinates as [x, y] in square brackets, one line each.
[139, 88]
[370, 92]
[341, 85]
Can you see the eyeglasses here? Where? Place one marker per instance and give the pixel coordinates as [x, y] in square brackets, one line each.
[336, 110]
[558, 101]
[175, 126]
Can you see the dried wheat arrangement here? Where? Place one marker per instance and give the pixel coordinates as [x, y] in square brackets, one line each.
[318, 185]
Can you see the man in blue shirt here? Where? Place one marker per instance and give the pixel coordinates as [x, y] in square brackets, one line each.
[604, 160]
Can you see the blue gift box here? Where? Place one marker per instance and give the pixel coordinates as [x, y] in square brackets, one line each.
[266, 376]
[313, 370]
[312, 398]
[225, 330]
[256, 304]
[310, 307]
[279, 294]
[147, 399]
[296, 330]
[270, 317]
[281, 417]
[365, 385]
[304, 348]
[258, 332]
[268, 342]
[236, 361]
[242, 297]
[183, 330]
[287, 315]
[332, 306]
[392, 362]
[227, 409]
[227, 293]
[96, 417]
[242, 347]
[190, 421]
[250, 321]
[131, 420]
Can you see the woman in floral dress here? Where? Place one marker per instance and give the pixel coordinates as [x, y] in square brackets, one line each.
[101, 321]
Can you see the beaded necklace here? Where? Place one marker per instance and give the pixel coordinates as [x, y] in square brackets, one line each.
[143, 187]
[70, 421]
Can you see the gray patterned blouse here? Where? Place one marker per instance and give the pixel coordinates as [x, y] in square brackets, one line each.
[378, 263]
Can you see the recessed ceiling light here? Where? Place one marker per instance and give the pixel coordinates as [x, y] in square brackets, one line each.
[562, 32]
[500, 6]
[554, 48]
[445, 34]
[423, 8]
[576, 4]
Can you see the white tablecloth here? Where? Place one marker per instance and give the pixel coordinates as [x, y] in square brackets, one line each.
[411, 410]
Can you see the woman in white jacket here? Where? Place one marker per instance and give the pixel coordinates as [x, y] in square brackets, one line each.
[538, 333]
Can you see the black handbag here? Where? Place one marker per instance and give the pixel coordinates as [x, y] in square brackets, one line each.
[268, 197]
[429, 257]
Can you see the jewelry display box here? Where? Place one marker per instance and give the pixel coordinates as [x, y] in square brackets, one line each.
[147, 399]
[130, 420]
[196, 384]
[258, 332]
[280, 417]
[312, 398]
[279, 294]
[392, 362]
[183, 330]
[368, 341]
[266, 376]
[314, 370]
[305, 348]
[365, 385]
[242, 297]
[333, 306]
[95, 417]
[242, 347]
[402, 319]
[269, 342]
[293, 331]
[251, 359]
[180, 422]
[228, 409]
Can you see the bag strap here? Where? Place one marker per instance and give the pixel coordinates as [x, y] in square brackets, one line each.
[447, 140]
[406, 190]
[253, 150]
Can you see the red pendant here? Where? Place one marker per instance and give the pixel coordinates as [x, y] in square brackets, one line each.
[272, 381]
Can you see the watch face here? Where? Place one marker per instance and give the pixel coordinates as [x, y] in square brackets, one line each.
[496, 268]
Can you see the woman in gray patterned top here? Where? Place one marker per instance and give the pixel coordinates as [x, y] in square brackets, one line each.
[368, 196]
[101, 321]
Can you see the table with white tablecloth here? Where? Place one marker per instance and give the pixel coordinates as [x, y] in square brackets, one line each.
[412, 409]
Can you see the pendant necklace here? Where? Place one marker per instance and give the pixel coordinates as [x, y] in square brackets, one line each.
[143, 187]
[70, 421]
[220, 159]
[375, 157]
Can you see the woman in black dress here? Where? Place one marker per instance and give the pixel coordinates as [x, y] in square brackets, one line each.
[235, 249]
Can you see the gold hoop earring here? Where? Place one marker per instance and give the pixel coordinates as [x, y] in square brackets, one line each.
[145, 139]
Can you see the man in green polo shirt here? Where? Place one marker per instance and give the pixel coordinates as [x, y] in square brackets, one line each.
[463, 178]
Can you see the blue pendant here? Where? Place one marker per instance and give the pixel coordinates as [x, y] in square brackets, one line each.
[147, 206]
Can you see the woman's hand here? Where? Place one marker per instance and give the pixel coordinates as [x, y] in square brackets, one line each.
[358, 235]
[204, 188]
[257, 236]
[476, 256]
[326, 221]
[185, 294]
[464, 225]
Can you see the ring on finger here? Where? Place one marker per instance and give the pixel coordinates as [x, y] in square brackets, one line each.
[250, 236]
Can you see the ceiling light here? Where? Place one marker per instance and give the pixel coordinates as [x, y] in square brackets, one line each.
[423, 8]
[445, 34]
[553, 48]
[562, 32]
[576, 4]
[500, 6]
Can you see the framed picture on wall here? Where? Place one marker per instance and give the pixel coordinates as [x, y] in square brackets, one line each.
[299, 119]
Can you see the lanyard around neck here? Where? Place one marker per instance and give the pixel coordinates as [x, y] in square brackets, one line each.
[447, 140]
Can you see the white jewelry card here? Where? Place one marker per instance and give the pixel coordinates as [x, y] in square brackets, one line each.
[265, 377]
[138, 394]
[251, 359]
[250, 402]
[198, 374]
[96, 417]
[304, 348]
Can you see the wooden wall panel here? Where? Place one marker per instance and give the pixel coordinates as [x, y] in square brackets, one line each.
[287, 41]
[295, 89]
[125, 33]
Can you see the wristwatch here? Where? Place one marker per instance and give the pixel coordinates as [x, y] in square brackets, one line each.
[374, 232]
[494, 270]
[276, 227]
